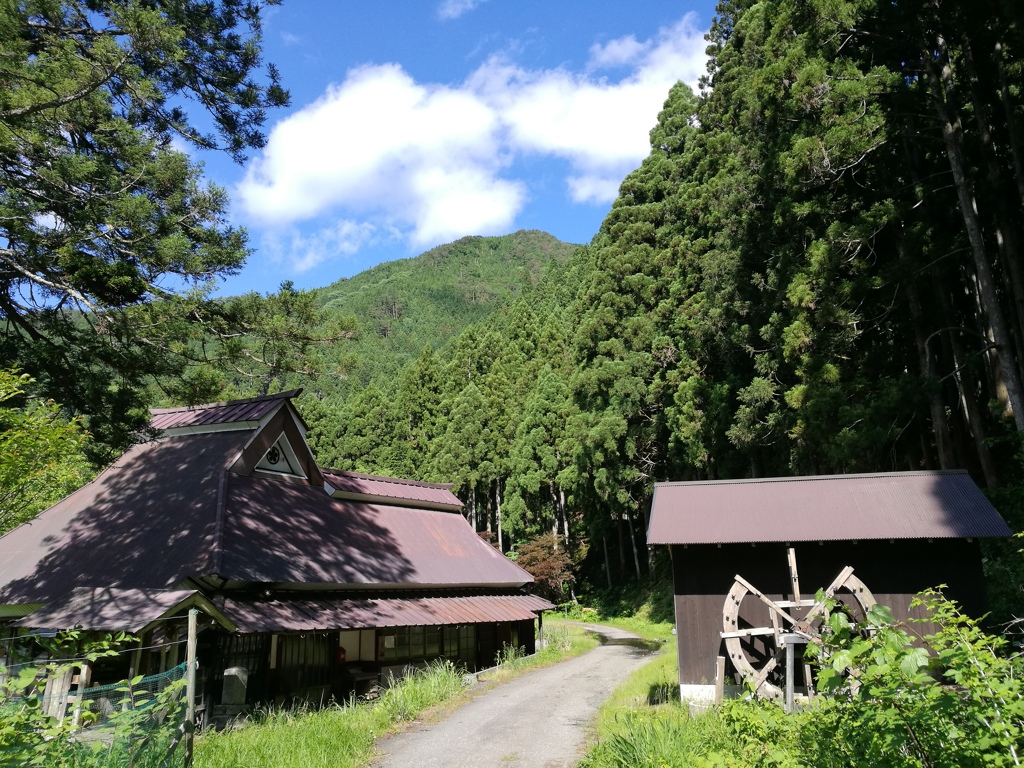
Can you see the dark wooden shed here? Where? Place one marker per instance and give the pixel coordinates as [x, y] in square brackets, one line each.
[899, 532]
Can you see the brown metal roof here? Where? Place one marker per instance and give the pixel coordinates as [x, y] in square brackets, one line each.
[250, 410]
[359, 613]
[413, 493]
[895, 505]
[148, 521]
[106, 609]
[289, 533]
[167, 511]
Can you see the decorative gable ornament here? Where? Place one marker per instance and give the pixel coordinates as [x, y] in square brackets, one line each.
[281, 459]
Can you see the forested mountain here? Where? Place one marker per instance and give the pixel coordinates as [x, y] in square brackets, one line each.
[817, 269]
[402, 306]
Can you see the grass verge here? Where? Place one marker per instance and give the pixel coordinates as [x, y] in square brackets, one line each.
[341, 735]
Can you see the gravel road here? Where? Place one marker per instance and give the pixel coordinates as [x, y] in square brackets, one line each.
[537, 720]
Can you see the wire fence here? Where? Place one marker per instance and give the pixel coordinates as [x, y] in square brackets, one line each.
[132, 724]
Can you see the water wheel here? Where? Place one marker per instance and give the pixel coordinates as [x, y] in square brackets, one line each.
[758, 653]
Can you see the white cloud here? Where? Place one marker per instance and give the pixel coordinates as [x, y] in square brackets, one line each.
[617, 53]
[303, 252]
[452, 9]
[593, 189]
[289, 38]
[436, 162]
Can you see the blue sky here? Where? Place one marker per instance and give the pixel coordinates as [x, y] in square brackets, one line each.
[416, 123]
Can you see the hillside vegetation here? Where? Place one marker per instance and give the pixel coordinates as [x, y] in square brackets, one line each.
[816, 270]
[402, 306]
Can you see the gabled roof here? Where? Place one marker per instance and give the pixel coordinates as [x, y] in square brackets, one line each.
[893, 505]
[291, 534]
[238, 414]
[197, 505]
[391, 490]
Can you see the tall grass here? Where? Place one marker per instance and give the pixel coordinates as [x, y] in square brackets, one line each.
[659, 737]
[341, 736]
[561, 641]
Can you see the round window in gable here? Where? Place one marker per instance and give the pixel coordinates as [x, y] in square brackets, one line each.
[274, 455]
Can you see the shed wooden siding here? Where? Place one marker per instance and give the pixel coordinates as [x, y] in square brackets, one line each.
[894, 572]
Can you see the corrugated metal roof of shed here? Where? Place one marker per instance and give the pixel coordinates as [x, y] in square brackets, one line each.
[895, 505]
[357, 484]
[362, 613]
[231, 412]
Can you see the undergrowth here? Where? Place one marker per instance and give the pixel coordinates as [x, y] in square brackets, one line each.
[952, 699]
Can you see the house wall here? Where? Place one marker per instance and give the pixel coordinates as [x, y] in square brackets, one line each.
[893, 571]
[309, 666]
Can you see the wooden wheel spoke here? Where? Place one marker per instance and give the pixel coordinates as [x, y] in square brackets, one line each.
[839, 580]
[758, 681]
[766, 600]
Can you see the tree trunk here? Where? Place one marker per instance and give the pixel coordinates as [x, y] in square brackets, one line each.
[554, 514]
[565, 518]
[497, 499]
[632, 540]
[940, 428]
[607, 562]
[972, 411]
[1015, 149]
[1007, 239]
[941, 84]
[622, 546]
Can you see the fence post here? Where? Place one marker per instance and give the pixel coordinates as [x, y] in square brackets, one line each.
[190, 685]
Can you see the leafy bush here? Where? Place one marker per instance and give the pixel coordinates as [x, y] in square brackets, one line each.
[144, 732]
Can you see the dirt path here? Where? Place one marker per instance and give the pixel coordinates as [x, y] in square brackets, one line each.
[537, 720]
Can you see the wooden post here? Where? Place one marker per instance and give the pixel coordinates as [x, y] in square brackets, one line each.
[790, 660]
[190, 685]
[719, 679]
[84, 680]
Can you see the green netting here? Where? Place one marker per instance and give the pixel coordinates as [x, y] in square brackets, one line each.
[104, 700]
[119, 726]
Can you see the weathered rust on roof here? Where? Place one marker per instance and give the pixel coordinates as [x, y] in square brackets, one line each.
[247, 411]
[158, 516]
[354, 485]
[895, 505]
[104, 609]
[285, 533]
[148, 521]
[308, 614]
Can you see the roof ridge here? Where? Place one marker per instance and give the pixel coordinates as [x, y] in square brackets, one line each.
[387, 479]
[812, 478]
[203, 406]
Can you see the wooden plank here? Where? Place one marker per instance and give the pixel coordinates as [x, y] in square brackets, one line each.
[794, 577]
[805, 603]
[750, 632]
[765, 599]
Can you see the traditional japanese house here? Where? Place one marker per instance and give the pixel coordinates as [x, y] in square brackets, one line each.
[748, 557]
[313, 582]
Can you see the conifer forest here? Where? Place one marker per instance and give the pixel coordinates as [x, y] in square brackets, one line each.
[819, 268]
